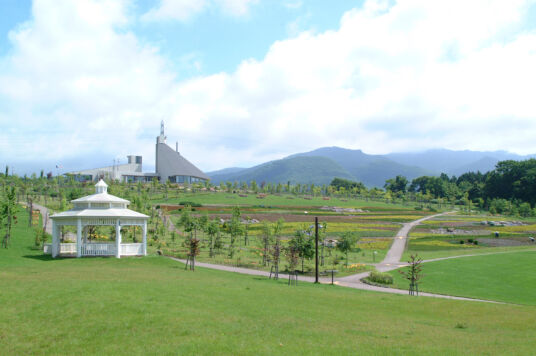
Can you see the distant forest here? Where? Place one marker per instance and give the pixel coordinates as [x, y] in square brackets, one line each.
[508, 189]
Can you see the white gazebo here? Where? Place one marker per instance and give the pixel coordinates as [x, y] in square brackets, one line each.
[99, 209]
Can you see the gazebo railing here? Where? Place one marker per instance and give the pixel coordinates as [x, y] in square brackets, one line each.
[134, 249]
[65, 248]
[98, 249]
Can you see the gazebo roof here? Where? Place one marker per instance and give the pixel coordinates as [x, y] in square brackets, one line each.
[100, 213]
[115, 207]
[101, 196]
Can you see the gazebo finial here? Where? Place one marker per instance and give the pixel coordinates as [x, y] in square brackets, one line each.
[101, 187]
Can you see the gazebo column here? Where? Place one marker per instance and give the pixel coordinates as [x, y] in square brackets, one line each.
[117, 239]
[144, 238]
[55, 240]
[78, 237]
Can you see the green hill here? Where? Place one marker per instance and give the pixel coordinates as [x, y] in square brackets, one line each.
[305, 170]
[319, 165]
[371, 170]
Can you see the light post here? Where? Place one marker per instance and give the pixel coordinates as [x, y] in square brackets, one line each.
[316, 249]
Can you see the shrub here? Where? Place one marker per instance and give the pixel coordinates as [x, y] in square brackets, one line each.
[380, 277]
[462, 242]
[190, 203]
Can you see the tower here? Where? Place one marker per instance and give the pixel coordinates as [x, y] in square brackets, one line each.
[159, 140]
[162, 137]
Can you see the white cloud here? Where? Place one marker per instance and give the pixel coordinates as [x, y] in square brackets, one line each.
[75, 84]
[181, 10]
[236, 7]
[184, 10]
[413, 75]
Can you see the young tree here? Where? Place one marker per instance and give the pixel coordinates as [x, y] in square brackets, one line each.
[186, 220]
[413, 274]
[213, 230]
[346, 243]
[235, 229]
[8, 209]
[266, 237]
[193, 251]
[304, 244]
[202, 222]
[292, 254]
[246, 230]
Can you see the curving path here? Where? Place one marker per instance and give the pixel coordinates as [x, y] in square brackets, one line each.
[390, 262]
[46, 217]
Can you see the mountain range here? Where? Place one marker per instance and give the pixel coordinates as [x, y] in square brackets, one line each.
[320, 166]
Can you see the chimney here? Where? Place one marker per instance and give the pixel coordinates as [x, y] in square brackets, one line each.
[177, 146]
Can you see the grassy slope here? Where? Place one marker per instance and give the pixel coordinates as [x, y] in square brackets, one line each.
[152, 305]
[508, 277]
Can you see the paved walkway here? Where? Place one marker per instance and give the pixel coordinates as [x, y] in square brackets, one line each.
[476, 254]
[357, 284]
[390, 262]
[46, 217]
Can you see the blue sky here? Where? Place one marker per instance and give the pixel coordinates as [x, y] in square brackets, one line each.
[240, 82]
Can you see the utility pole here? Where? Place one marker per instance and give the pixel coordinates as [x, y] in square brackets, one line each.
[316, 249]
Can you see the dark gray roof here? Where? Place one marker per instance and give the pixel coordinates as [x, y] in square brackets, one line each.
[171, 163]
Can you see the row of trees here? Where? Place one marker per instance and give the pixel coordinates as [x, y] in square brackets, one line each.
[271, 242]
[508, 189]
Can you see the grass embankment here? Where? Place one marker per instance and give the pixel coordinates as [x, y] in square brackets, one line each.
[506, 277]
[152, 305]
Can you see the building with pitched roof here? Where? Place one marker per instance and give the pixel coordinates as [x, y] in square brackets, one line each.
[170, 166]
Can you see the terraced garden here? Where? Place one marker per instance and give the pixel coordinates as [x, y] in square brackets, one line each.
[374, 226]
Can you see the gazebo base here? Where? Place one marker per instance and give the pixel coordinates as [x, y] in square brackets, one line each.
[95, 249]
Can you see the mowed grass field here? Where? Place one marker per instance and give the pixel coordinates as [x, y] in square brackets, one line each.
[152, 305]
[508, 277]
[225, 198]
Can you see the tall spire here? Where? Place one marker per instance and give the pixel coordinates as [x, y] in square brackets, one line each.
[162, 137]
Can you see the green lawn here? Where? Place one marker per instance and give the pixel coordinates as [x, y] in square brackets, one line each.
[439, 253]
[507, 277]
[153, 306]
[271, 199]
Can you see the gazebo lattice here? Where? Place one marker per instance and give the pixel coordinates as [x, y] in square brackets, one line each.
[99, 209]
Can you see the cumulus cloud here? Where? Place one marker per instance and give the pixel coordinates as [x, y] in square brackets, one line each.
[408, 76]
[394, 76]
[77, 82]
